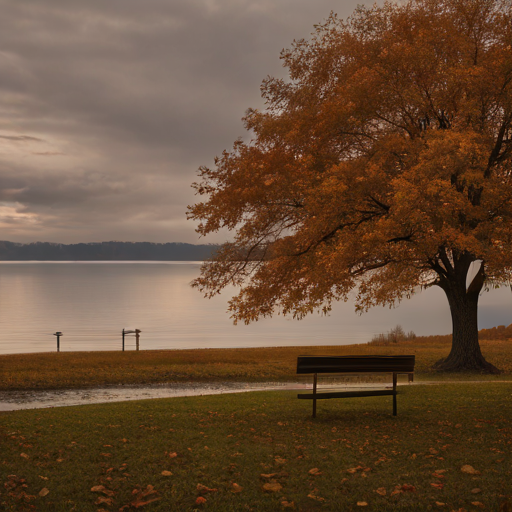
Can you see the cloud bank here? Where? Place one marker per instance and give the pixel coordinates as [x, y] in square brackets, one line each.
[107, 109]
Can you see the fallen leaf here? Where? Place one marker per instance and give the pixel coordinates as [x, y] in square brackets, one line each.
[103, 489]
[315, 472]
[166, 473]
[172, 455]
[288, 504]
[24, 455]
[203, 489]
[200, 500]
[362, 504]
[477, 504]
[279, 460]
[236, 488]
[476, 490]
[469, 470]
[354, 470]
[381, 491]
[149, 490]
[272, 487]
[440, 504]
[140, 500]
[406, 488]
[313, 496]
[44, 492]
[43, 477]
[138, 504]
[268, 475]
[433, 451]
[104, 500]
[436, 485]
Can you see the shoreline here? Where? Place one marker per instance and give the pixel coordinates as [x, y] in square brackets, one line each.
[44, 399]
[40, 399]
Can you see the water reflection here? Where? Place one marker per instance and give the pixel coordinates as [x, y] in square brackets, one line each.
[91, 302]
[18, 400]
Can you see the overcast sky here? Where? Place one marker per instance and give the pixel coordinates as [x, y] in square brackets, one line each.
[107, 108]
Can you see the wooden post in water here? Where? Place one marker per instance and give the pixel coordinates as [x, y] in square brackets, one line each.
[58, 334]
[137, 337]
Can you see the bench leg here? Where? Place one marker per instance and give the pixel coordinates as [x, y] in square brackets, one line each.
[394, 394]
[315, 378]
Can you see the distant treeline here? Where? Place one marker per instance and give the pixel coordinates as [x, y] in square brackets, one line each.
[398, 335]
[501, 332]
[46, 251]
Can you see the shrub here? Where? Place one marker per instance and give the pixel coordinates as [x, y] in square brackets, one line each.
[394, 335]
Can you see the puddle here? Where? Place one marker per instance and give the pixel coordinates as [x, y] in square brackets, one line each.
[18, 400]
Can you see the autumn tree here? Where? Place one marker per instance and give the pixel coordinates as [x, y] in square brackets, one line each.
[381, 165]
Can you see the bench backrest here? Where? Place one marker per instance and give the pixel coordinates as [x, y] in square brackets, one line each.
[355, 364]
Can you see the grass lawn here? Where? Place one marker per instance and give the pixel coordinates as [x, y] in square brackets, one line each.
[262, 451]
[67, 370]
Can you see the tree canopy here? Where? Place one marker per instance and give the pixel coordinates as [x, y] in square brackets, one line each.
[381, 165]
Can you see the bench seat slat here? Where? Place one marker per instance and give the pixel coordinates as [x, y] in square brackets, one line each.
[345, 394]
[354, 364]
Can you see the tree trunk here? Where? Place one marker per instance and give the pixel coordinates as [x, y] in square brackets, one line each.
[465, 355]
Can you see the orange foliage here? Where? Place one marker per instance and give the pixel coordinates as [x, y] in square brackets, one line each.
[383, 165]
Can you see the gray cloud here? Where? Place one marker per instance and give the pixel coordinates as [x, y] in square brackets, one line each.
[108, 108]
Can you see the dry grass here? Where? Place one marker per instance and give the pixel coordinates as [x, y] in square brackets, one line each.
[87, 369]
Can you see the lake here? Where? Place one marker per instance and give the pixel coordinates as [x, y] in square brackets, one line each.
[91, 302]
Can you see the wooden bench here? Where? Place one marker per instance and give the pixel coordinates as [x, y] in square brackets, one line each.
[354, 365]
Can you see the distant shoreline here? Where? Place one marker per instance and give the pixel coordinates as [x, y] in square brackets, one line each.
[174, 262]
[105, 251]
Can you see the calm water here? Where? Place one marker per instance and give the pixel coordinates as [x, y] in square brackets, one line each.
[92, 302]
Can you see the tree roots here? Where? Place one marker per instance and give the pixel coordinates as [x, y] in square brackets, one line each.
[452, 365]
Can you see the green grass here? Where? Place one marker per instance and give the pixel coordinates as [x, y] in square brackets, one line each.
[356, 445]
[68, 370]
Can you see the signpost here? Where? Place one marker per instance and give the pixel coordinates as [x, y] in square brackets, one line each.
[58, 334]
